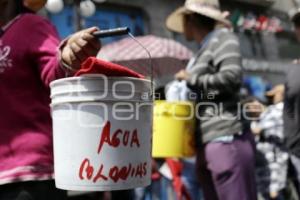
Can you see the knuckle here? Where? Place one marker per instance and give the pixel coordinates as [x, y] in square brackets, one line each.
[73, 58]
[83, 43]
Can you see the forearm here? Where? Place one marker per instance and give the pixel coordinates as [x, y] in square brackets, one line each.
[227, 79]
[52, 70]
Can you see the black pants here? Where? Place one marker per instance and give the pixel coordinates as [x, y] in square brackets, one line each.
[32, 190]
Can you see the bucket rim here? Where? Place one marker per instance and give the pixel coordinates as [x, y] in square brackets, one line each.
[95, 76]
[95, 99]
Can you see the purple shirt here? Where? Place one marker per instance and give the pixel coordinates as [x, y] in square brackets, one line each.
[28, 63]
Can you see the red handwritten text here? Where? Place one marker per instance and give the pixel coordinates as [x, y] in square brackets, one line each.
[115, 173]
[119, 137]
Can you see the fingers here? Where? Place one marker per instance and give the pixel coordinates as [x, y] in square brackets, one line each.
[182, 75]
[94, 42]
[86, 44]
[88, 36]
[86, 47]
[178, 75]
[80, 46]
[83, 49]
[91, 30]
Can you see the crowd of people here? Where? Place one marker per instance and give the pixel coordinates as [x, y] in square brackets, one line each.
[241, 155]
[249, 153]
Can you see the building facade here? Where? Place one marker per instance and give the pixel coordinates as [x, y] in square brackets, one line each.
[263, 27]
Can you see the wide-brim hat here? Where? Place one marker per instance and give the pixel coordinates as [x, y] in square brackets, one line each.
[208, 8]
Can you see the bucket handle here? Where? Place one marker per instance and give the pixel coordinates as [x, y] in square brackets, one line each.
[124, 31]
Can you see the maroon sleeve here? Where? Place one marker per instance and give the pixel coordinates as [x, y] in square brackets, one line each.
[44, 49]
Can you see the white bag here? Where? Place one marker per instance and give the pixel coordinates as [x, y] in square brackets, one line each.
[177, 91]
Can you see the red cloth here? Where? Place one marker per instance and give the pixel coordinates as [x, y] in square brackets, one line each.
[155, 175]
[176, 170]
[94, 65]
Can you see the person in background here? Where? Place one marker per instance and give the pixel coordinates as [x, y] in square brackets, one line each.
[296, 23]
[272, 168]
[225, 153]
[292, 110]
[30, 58]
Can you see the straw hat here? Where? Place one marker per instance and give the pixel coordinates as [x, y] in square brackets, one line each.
[34, 5]
[208, 8]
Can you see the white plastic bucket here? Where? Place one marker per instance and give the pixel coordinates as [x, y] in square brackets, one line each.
[102, 132]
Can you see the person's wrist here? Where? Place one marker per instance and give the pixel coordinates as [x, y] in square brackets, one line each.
[65, 65]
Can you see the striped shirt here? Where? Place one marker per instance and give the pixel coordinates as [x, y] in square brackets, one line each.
[216, 78]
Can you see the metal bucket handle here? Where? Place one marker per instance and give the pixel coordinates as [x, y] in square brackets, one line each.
[124, 31]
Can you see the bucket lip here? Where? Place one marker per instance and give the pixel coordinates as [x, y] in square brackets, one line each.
[93, 100]
[180, 103]
[96, 76]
